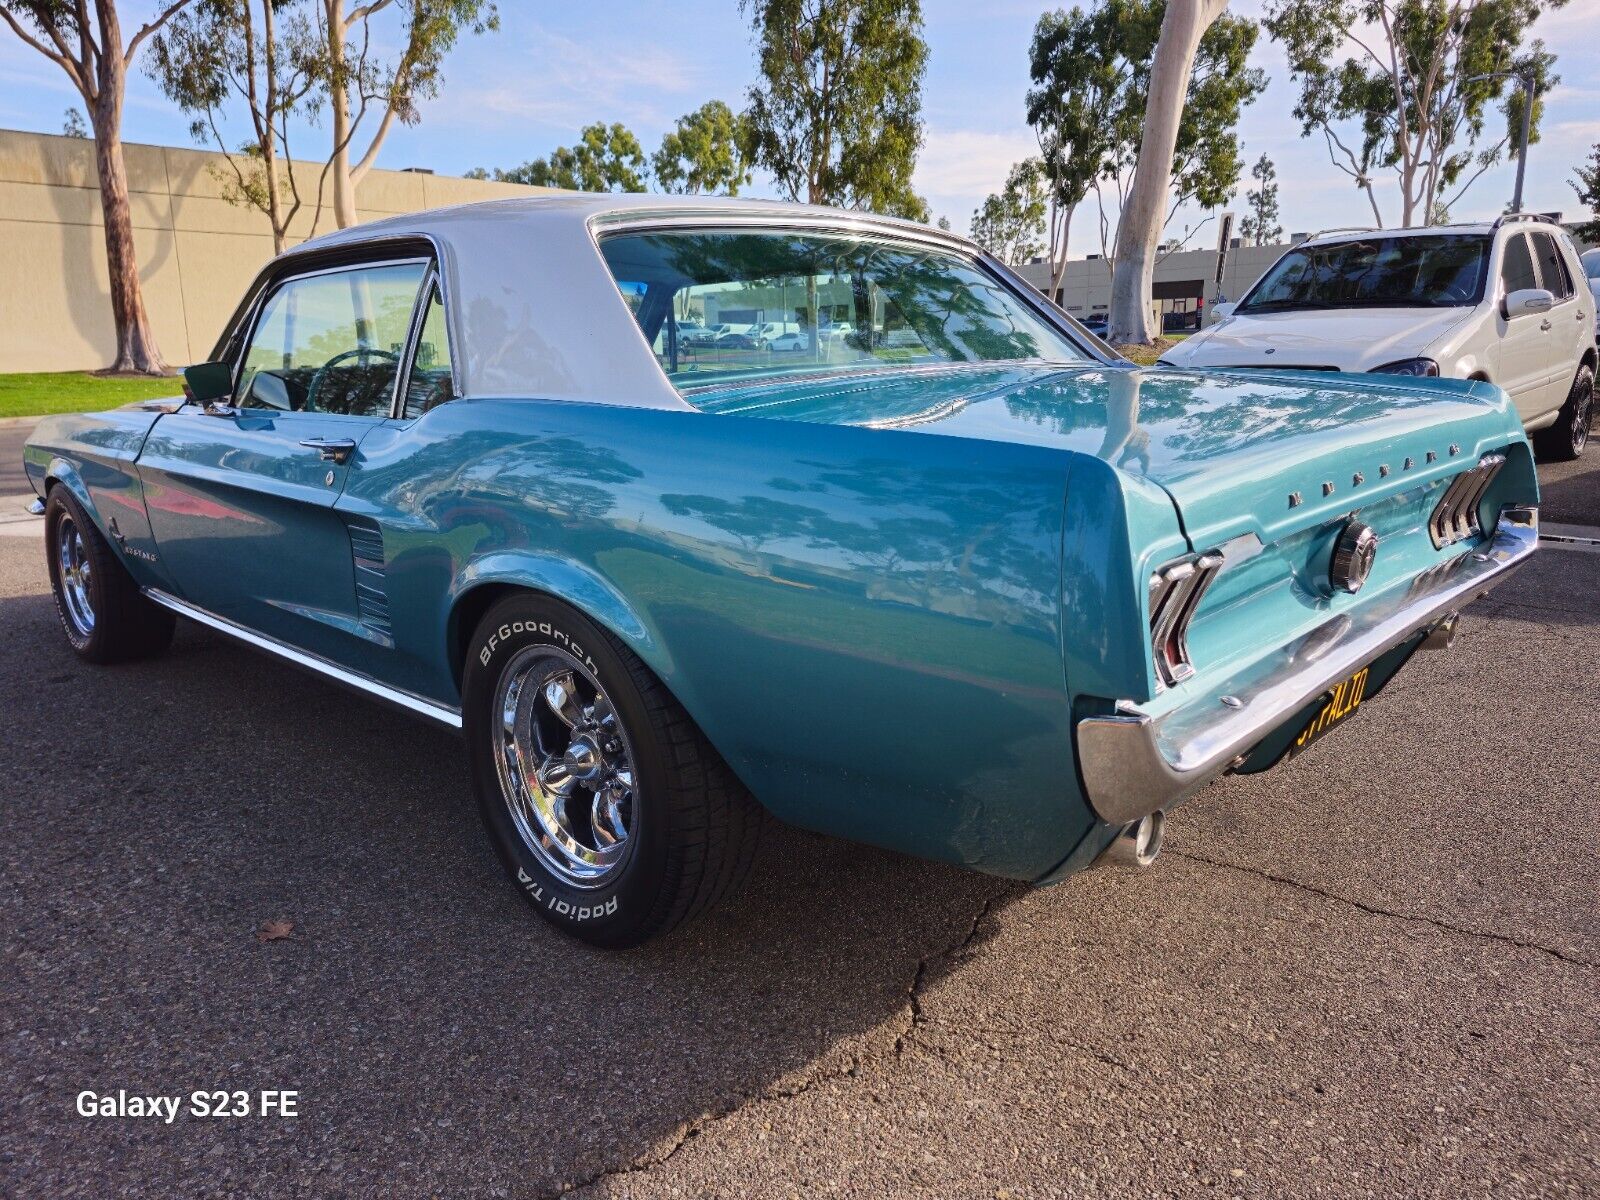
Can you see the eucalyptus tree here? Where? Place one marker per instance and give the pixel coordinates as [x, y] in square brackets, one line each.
[605, 158]
[1260, 223]
[1405, 88]
[1587, 185]
[836, 116]
[85, 40]
[1167, 155]
[708, 151]
[362, 81]
[1091, 71]
[1009, 224]
[265, 57]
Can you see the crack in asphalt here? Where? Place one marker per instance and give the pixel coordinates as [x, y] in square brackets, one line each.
[690, 1130]
[1504, 939]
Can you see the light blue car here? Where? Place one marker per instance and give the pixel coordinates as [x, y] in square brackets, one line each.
[989, 595]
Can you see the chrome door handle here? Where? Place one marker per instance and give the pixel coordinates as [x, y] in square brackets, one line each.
[330, 449]
[1545, 324]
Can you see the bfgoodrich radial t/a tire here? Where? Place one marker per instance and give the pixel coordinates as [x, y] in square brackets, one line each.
[611, 812]
[105, 617]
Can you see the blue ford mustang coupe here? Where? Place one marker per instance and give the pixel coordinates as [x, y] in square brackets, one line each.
[939, 572]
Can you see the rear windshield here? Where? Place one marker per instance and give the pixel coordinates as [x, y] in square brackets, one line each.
[1401, 272]
[727, 307]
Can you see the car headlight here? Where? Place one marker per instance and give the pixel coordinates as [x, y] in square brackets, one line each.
[1407, 366]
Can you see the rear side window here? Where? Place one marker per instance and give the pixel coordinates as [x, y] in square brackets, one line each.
[1552, 266]
[430, 384]
[332, 342]
[1516, 270]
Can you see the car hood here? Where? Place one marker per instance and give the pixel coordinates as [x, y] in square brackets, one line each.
[1229, 448]
[1348, 339]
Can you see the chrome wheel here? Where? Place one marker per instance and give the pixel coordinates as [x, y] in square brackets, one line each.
[565, 765]
[1580, 420]
[75, 573]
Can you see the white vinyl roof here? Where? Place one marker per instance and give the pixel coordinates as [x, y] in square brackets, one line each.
[533, 309]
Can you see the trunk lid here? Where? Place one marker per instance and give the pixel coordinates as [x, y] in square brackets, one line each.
[1231, 449]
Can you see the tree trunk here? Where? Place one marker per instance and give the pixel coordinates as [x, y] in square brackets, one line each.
[344, 189]
[136, 344]
[1060, 227]
[1144, 212]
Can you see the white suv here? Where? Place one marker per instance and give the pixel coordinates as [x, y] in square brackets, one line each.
[1506, 302]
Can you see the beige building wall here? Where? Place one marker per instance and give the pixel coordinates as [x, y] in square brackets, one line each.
[197, 253]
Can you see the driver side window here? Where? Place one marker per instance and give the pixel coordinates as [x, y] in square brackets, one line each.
[331, 342]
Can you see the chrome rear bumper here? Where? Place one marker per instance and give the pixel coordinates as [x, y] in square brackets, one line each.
[1134, 763]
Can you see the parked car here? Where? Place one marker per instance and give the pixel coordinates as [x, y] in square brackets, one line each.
[704, 335]
[1591, 269]
[735, 340]
[1500, 302]
[786, 342]
[1097, 324]
[1006, 606]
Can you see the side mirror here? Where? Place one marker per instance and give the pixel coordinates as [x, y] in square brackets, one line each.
[1225, 309]
[205, 382]
[1524, 302]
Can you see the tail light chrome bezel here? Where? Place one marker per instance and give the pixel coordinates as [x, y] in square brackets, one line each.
[1455, 516]
[1175, 593]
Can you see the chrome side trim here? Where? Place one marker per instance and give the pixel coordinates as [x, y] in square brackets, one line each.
[444, 714]
[1134, 763]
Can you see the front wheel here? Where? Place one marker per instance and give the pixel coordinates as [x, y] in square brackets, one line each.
[1565, 440]
[105, 617]
[607, 806]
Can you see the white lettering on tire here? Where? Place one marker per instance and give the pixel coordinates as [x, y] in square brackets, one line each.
[559, 906]
[542, 629]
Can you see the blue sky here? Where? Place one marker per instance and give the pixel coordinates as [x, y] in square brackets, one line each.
[553, 68]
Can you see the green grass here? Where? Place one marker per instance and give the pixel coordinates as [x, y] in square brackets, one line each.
[77, 391]
[1147, 355]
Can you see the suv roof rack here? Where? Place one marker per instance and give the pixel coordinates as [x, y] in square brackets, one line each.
[1311, 237]
[1507, 218]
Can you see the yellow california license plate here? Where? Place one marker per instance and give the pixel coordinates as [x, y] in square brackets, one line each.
[1339, 706]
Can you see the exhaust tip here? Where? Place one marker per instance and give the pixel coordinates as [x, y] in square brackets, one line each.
[1138, 844]
[1443, 635]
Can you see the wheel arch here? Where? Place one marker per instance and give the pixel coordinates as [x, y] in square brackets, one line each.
[1590, 359]
[486, 583]
[61, 473]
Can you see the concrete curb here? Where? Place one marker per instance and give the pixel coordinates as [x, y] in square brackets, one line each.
[18, 422]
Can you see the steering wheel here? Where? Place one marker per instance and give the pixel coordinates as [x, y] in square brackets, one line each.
[361, 352]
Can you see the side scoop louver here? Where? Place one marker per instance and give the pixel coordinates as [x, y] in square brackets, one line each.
[372, 597]
[1455, 517]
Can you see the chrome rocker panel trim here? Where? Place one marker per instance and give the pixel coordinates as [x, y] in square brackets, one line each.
[1134, 763]
[444, 714]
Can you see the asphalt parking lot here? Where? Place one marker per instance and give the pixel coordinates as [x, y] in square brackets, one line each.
[1374, 972]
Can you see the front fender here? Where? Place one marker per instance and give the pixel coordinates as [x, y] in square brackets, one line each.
[93, 456]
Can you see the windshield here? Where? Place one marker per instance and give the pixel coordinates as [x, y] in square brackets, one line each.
[818, 304]
[1400, 272]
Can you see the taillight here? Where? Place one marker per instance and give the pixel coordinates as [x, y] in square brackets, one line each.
[1175, 592]
[1456, 515]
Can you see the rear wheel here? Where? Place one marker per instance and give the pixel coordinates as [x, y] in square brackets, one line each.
[607, 806]
[1566, 439]
[105, 617]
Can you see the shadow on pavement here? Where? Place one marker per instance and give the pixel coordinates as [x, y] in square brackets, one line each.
[160, 812]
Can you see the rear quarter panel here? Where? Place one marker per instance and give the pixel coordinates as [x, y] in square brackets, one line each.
[865, 623]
